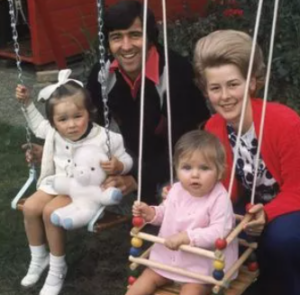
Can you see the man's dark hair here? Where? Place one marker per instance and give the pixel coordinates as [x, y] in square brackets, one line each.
[122, 15]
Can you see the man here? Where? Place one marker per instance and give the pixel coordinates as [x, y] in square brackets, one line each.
[124, 35]
[123, 30]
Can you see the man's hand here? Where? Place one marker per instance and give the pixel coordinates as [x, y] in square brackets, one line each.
[256, 226]
[175, 241]
[34, 154]
[126, 183]
[143, 210]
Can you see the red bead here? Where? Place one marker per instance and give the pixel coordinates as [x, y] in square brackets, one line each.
[137, 221]
[221, 244]
[252, 266]
[248, 207]
[131, 280]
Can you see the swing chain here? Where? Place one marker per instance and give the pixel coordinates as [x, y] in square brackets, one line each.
[103, 74]
[18, 63]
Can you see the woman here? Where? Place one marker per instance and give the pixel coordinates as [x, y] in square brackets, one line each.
[221, 63]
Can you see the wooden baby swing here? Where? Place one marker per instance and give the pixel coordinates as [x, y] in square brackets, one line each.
[222, 281]
[109, 219]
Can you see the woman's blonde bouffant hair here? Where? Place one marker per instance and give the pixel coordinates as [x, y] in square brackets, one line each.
[227, 47]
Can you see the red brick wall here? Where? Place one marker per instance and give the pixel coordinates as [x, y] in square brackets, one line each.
[175, 8]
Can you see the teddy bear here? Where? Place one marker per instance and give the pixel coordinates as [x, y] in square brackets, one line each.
[84, 188]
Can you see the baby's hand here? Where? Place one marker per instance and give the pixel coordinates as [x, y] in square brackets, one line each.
[143, 210]
[114, 166]
[175, 241]
[22, 94]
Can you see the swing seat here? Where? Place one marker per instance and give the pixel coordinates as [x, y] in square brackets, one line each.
[108, 220]
[246, 276]
[237, 287]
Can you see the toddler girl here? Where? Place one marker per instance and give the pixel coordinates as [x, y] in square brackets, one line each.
[68, 126]
[196, 212]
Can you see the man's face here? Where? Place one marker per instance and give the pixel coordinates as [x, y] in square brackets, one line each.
[126, 47]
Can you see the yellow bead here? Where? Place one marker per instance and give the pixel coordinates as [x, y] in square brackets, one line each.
[136, 242]
[219, 265]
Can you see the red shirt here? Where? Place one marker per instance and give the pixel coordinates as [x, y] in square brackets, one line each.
[152, 71]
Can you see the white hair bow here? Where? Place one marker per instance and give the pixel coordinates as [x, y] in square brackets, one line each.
[63, 76]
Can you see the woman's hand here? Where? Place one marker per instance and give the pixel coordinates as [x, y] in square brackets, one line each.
[175, 241]
[143, 210]
[256, 226]
[125, 183]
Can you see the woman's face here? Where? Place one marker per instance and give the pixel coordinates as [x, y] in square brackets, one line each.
[225, 86]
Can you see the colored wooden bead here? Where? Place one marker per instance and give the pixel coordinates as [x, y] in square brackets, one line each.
[219, 265]
[218, 275]
[248, 207]
[134, 251]
[252, 266]
[131, 280]
[220, 244]
[137, 221]
[136, 242]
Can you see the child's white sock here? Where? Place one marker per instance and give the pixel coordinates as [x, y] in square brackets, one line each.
[56, 276]
[39, 262]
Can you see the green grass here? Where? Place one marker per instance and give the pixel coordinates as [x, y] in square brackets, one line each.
[97, 262]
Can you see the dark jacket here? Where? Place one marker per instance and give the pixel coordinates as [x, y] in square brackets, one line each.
[188, 111]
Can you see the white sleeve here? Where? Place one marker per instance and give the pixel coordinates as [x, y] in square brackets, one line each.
[37, 123]
[118, 150]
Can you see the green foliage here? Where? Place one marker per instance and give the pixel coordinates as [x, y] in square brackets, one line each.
[241, 15]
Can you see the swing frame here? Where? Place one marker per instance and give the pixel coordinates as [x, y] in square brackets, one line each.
[235, 287]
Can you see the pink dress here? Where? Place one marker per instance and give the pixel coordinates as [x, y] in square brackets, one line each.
[204, 219]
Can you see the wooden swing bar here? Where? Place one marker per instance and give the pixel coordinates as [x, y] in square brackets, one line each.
[237, 287]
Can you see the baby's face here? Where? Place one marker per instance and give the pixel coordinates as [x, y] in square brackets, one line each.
[196, 174]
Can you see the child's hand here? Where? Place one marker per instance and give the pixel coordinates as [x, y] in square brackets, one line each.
[175, 241]
[165, 191]
[34, 154]
[22, 94]
[114, 166]
[143, 210]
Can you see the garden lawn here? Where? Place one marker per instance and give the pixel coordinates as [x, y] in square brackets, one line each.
[97, 262]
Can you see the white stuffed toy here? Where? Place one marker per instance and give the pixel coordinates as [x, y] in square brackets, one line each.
[84, 189]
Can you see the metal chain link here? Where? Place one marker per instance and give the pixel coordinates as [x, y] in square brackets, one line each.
[18, 63]
[19, 9]
[103, 74]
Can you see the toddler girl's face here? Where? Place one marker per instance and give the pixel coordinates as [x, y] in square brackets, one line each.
[196, 174]
[70, 118]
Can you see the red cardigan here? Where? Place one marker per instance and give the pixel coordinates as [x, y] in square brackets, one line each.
[280, 152]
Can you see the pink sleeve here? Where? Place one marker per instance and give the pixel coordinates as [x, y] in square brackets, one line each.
[160, 210]
[159, 214]
[221, 222]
